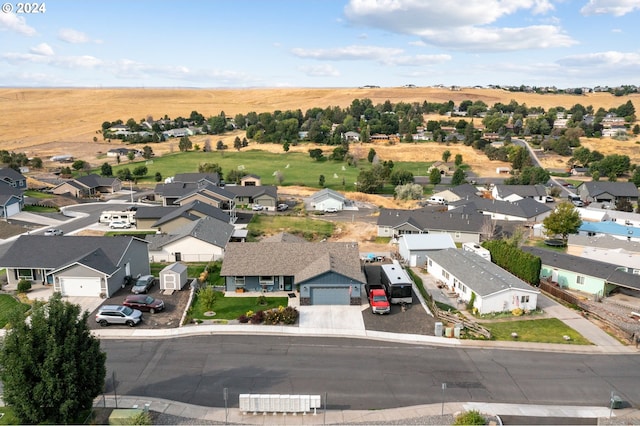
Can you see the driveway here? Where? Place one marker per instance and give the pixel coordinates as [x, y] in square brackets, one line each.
[345, 320]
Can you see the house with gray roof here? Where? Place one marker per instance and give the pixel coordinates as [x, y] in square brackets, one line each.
[89, 186]
[466, 274]
[11, 200]
[413, 248]
[518, 192]
[167, 219]
[524, 210]
[201, 240]
[13, 178]
[327, 199]
[466, 191]
[607, 192]
[461, 225]
[248, 195]
[76, 266]
[324, 273]
[586, 275]
[200, 178]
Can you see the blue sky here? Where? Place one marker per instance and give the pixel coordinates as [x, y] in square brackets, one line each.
[328, 43]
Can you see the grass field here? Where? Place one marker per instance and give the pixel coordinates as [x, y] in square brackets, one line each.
[544, 330]
[230, 308]
[310, 229]
[7, 304]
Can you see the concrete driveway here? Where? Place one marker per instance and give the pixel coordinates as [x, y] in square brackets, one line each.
[336, 320]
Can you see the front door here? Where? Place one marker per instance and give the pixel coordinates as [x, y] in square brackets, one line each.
[288, 283]
[178, 256]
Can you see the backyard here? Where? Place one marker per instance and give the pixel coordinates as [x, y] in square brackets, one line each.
[308, 228]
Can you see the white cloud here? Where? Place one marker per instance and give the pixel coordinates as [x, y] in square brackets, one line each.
[42, 49]
[616, 30]
[15, 23]
[72, 36]
[419, 43]
[611, 59]
[348, 53]
[610, 7]
[440, 23]
[56, 61]
[323, 70]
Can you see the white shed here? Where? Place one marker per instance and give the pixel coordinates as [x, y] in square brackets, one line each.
[173, 277]
[414, 248]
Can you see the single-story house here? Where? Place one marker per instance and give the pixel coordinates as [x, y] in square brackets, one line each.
[264, 195]
[444, 168]
[518, 192]
[605, 248]
[13, 178]
[76, 266]
[199, 178]
[123, 152]
[524, 210]
[413, 248]
[250, 180]
[88, 186]
[324, 273]
[607, 192]
[200, 240]
[327, 199]
[167, 219]
[614, 229]
[466, 191]
[579, 273]
[11, 200]
[462, 226]
[495, 289]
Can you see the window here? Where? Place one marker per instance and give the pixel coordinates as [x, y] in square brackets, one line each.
[579, 279]
[24, 274]
[445, 274]
[524, 299]
[430, 263]
[239, 281]
[458, 235]
[266, 280]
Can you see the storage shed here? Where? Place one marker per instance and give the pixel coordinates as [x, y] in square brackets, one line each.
[173, 277]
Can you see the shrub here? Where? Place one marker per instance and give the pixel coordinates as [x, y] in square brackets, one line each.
[517, 312]
[272, 317]
[243, 319]
[262, 300]
[289, 315]
[24, 286]
[257, 318]
[473, 417]
[207, 295]
[143, 418]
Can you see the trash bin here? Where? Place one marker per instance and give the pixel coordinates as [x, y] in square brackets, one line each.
[616, 402]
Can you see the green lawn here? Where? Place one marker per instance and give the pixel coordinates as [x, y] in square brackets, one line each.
[310, 229]
[39, 209]
[194, 269]
[9, 418]
[296, 168]
[545, 330]
[7, 304]
[37, 194]
[230, 308]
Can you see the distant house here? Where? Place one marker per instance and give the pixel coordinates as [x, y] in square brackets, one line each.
[264, 195]
[608, 192]
[452, 194]
[76, 266]
[11, 200]
[13, 178]
[524, 210]
[250, 180]
[413, 248]
[352, 136]
[123, 152]
[518, 192]
[170, 218]
[586, 275]
[468, 274]
[327, 199]
[178, 133]
[88, 186]
[201, 240]
[616, 230]
[325, 273]
[444, 168]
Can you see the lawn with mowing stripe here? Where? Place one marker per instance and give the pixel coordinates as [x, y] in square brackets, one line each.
[230, 308]
[295, 168]
[7, 304]
[308, 228]
[544, 330]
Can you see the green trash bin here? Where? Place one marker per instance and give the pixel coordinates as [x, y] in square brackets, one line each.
[616, 402]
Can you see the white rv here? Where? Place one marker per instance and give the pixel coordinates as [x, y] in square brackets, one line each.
[477, 249]
[120, 216]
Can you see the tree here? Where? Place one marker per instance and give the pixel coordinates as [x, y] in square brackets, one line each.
[371, 155]
[124, 174]
[147, 152]
[321, 181]
[140, 171]
[458, 177]
[36, 162]
[237, 143]
[106, 169]
[564, 220]
[408, 191]
[185, 144]
[446, 155]
[158, 177]
[131, 155]
[400, 177]
[316, 154]
[458, 160]
[210, 168]
[220, 145]
[434, 176]
[78, 165]
[234, 176]
[52, 367]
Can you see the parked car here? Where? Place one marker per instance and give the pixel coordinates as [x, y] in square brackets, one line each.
[144, 302]
[331, 210]
[118, 224]
[549, 199]
[53, 232]
[114, 314]
[282, 207]
[257, 207]
[143, 284]
[379, 302]
[578, 203]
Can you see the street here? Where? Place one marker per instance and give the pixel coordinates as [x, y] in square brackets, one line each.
[361, 374]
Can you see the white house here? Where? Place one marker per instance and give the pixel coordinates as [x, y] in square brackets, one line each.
[414, 248]
[495, 289]
[327, 199]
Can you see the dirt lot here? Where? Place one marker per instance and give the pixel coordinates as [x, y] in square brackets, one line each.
[169, 318]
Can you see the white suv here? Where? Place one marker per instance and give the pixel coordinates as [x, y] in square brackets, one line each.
[114, 314]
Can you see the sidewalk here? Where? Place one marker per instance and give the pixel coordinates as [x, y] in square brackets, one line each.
[418, 414]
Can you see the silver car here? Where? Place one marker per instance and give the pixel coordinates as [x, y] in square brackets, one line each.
[115, 314]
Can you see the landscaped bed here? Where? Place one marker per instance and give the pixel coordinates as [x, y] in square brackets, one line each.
[231, 308]
[544, 330]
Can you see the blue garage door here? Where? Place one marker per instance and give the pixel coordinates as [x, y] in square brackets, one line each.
[330, 296]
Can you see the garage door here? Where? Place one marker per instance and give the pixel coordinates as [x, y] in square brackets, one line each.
[13, 209]
[80, 286]
[330, 296]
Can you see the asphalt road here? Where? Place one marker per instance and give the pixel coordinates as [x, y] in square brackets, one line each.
[361, 374]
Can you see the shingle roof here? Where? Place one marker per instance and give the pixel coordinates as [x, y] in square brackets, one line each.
[526, 208]
[175, 189]
[253, 191]
[301, 260]
[581, 265]
[484, 278]
[427, 219]
[94, 181]
[283, 237]
[604, 241]
[39, 251]
[197, 177]
[11, 174]
[8, 190]
[521, 190]
[207, 229]
[187, 212]
[617, 189]
[325, 193]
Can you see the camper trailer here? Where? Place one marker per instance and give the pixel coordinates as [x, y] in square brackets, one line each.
[477, 249]
[120, 216]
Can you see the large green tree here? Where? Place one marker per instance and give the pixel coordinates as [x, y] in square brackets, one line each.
[458, 177]
[564, 220]
[52, 367]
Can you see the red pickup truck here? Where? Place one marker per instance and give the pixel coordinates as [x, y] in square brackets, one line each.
[379, 302]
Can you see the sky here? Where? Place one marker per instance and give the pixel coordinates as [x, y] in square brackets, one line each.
[320, 43]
